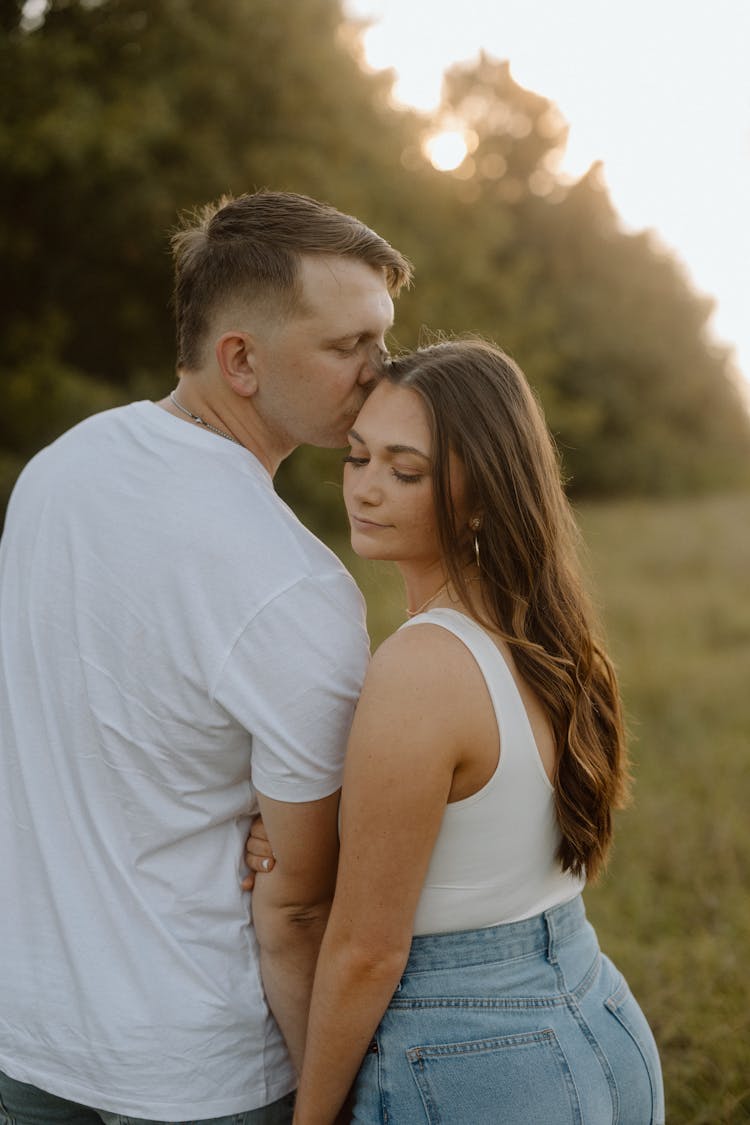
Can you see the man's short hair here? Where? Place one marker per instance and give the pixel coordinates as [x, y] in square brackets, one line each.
[248, 249]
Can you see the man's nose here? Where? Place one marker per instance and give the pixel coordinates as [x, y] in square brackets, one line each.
[373, 366]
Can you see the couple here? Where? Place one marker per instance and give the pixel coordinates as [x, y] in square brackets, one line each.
[179, 654]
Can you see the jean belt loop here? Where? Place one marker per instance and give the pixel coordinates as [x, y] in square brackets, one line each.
[549, 923]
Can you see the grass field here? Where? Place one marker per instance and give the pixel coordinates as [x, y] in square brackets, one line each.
[673, 583]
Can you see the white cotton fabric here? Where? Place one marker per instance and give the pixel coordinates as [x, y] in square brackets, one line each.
[494, 859]
[172, 639]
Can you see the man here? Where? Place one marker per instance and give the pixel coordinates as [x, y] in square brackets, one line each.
[178, 652]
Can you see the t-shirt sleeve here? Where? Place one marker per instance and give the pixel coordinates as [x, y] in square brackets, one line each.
[293, 680]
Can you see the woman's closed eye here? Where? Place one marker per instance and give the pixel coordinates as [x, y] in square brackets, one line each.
[406, 478]
[400, 474]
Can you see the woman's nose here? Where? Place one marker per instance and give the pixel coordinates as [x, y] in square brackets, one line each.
[367, 489]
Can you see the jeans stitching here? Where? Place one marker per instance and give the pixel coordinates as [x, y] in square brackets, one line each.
[587, 980]
[547, 1038]
[465, 963]
[616, 1010]
[480, 1046]
[521, 1003]
[572, 999]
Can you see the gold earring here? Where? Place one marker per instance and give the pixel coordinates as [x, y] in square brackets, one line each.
[475, 524]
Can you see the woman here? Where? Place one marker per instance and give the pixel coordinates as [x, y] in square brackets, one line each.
[485, 761]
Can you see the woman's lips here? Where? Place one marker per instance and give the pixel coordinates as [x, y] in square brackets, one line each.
[365, 524]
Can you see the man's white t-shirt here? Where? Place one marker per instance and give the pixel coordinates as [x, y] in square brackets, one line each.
[171, 640]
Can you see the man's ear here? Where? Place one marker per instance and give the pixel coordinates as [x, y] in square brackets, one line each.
[235, 355]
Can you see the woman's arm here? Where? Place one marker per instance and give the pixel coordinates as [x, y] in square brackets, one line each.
[404, 747]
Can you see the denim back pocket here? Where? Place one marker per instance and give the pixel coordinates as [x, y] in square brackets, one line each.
[624, 1007]
[487, 1081]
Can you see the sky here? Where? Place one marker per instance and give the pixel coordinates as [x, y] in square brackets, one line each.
[659, 90]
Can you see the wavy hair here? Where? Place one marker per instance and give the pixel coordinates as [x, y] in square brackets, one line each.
[482, 409]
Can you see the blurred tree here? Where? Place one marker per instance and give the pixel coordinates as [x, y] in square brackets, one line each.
[642, 402]
[604, 322]
[119, 114]
[518, 136]
[125, 113]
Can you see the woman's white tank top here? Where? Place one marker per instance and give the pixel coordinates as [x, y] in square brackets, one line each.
[494, 858]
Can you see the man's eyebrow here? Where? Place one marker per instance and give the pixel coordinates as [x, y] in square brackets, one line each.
[391, 448]
[355, 334]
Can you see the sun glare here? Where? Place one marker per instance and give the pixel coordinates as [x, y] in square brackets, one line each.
[446, 150]
[583, 66]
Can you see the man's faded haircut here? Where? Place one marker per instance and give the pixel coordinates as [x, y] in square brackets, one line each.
[248, 249]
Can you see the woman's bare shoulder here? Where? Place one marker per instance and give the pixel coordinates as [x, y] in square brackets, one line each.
[424, 658]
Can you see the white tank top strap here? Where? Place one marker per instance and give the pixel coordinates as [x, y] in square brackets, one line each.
[516, 736]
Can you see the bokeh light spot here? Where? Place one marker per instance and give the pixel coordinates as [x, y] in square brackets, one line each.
[446, 150]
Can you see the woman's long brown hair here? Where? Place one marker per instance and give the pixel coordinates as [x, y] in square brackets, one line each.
[482, 409]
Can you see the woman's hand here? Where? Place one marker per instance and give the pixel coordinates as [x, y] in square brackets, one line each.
[259, 856]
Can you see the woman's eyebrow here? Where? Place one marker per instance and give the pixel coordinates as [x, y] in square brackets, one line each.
[398, 448]
[407, 449]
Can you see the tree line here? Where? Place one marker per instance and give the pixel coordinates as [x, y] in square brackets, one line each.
[117, 115]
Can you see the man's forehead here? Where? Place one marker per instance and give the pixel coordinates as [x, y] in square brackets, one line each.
[346, 311]
[322, 276]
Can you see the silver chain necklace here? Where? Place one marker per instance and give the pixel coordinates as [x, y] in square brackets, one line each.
[201, 421]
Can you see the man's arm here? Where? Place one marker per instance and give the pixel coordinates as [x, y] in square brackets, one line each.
[291, 905]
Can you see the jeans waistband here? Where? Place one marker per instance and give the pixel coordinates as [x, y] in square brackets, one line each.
[505, 942]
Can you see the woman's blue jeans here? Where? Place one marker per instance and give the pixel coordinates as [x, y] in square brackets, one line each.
[521, 1024]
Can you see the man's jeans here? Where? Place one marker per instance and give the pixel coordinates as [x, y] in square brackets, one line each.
[21, 1104]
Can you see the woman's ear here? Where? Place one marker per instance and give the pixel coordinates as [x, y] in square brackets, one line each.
[235, 355]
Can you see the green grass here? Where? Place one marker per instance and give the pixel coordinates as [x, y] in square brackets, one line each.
[672, 580]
